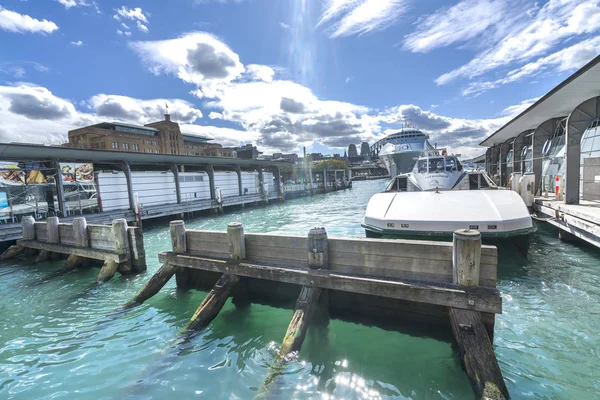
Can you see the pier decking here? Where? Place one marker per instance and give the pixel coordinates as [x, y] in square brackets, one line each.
[449, 283]
[579, 220]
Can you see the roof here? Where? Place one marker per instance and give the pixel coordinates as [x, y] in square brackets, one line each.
[30, 152]
[559, 102]
[187, 136]
[105, 124]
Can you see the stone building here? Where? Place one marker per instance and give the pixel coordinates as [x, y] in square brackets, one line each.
[162, 137]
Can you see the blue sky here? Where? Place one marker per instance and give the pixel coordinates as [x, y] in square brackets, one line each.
[286, 73]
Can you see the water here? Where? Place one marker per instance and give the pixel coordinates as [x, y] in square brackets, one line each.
[56, 342]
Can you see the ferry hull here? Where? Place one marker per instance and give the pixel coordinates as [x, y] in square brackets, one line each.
[404, 161]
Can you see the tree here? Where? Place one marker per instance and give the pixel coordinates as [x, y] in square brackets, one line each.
[331, 164]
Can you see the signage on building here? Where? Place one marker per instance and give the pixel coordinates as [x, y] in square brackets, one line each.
[77, 172]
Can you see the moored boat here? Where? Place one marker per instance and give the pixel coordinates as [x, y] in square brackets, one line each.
[439, 197]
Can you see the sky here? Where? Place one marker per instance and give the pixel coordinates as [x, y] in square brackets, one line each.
[283, 74]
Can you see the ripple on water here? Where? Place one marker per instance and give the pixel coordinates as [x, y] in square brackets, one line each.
[56, 340]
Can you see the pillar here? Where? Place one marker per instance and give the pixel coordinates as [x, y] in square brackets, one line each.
[211, 180]
[60, 190]
[127, 171]
[176, 177]
[238, 171]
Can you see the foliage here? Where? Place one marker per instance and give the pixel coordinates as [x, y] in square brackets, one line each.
[331, 164]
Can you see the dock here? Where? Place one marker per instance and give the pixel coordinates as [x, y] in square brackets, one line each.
[451, 285]
[138, 186]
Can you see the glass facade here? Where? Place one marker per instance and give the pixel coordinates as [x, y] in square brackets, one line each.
[138, 131]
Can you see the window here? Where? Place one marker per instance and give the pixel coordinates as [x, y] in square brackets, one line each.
[156, 151]
[136, 147]
[115, 145]
[125, 146]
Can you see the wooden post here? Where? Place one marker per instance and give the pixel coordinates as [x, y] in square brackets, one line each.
[475, 349]
[466, 257]
[28, 226]
[178, 237]
[119, 230]
[216, 298]
[138, 253]
[53, 235]
[81, 240]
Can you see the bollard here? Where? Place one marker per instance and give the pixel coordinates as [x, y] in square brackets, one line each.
[317, 247]
[466, 257]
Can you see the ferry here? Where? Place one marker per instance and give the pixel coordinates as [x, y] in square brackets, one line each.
[439, 197]
[401, 149]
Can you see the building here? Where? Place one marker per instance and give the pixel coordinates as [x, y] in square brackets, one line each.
[247, 151]
[162, 137]
[352, 151]
[364, 150]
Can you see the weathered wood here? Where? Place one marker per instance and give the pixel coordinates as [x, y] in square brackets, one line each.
[41, 232]
[237, 243]
[450, 295]
[178, 240]
[101, 237]
[73, 262]
[214, 301]
[12, 252]
[80, 232]
[44, 255]
[153, 286]
[466, 257]
[476, 352]
[66, 234]
[119, 229]
[138, 253]
[96, 254]
[52, 229]
[318, 249]
[107, 271]
[294, 336]
[28, 227]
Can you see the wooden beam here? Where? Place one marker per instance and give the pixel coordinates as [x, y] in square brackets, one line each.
[476, 352]
[95, 254]
[450, 295]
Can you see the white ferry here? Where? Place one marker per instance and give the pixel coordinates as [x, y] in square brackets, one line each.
[401, 149]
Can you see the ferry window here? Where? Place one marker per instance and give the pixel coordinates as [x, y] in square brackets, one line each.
[451, 164]
[393, 186]
[436, 165]
[423, 166]
[473, 181]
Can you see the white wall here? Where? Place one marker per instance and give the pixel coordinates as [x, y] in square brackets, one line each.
[194, 186]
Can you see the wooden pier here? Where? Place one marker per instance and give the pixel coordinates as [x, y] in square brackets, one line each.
[118, 246]
[450, 283]
[574, 221]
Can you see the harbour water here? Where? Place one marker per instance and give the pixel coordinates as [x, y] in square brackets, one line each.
[56, 341]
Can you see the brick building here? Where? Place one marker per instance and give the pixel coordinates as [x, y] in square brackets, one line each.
[162, 137]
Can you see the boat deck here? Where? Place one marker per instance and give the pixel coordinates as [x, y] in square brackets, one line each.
[581, 220]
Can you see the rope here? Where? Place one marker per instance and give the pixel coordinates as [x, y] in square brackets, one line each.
[542, 219]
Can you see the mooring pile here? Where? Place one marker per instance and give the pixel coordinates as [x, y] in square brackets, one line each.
[455, 281]
[118, 246]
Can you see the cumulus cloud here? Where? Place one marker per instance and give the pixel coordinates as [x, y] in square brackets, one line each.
[79, 3]
[198, 58]
[77, 43]
[12, 21]
[140, 111]
[33, 114]
[356, 17]
[121, 33]
[260, 72]
[518, 37]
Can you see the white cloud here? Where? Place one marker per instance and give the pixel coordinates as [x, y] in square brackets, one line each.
[284, 25]
[33, 114]
[215, 115]
[12, 21]
[79, 3]
[260, 72]
[225, 136]
[517, 109]
[133, 14]
[464, 21]
[533, 35]
[355, 17]
[121, 33]
[568, 59]
[196, 57]
[77, 43]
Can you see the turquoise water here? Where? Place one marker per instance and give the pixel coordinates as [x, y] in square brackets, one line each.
[56, 341]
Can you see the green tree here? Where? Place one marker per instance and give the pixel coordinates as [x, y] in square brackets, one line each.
[331, 164]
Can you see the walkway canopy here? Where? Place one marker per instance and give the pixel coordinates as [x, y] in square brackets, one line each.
[569, 108]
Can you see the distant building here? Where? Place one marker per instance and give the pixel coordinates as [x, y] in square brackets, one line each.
[352, 151]
[316, 156]
[364, 150]
[247, 151]
[162, 137]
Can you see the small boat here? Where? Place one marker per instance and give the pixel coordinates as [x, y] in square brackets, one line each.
[439, 197]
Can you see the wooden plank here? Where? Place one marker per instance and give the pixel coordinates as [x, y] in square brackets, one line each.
[450, 295]
[213, 302]
[277, 256]
[96, 254]
[477, 353]
[41, 232]
[101, 237]
[270, 240]
[66, 234]
[207, 243]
